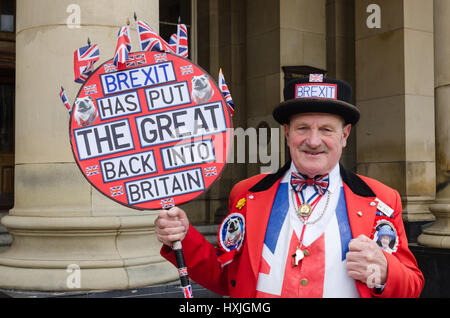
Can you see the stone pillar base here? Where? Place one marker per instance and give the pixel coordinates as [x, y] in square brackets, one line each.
[417, 209]
[118, 252]
[438, 234]
[416, 214]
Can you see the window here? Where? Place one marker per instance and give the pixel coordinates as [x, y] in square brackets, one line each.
[7, 96]
[7, 15]
[169, 13]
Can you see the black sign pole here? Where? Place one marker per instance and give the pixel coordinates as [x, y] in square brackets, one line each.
[182, 270]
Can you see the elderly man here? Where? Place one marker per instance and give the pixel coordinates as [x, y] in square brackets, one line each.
[309, 229]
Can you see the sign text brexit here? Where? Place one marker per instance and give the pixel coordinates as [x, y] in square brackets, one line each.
[135, 78]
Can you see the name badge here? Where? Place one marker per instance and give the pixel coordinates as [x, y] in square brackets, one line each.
[384, 208]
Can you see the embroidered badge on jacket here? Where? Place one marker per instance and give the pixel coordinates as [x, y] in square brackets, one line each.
[231, 232]
[386, 236]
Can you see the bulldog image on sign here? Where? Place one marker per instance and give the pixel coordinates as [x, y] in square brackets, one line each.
[85, 111]
[202, 90]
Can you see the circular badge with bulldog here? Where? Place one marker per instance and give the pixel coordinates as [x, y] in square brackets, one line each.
[152, 134]
[231, 232]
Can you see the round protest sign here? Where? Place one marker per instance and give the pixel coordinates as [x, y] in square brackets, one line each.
[153, 134]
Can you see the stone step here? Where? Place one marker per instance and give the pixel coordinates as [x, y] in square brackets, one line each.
[169, 290]
[209, 231]
[5, 237]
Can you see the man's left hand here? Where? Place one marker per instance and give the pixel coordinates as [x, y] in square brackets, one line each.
[366, 262]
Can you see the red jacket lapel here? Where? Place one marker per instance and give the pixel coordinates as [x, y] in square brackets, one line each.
[361, 215]
[260, 205]
[361, 212]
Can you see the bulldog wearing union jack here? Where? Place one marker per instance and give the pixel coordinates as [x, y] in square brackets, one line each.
[85, 111]
[202, 91]
[234, 232]
[311, 228]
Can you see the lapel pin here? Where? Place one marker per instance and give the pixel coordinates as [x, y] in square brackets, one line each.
[372, 203]
[241, 203]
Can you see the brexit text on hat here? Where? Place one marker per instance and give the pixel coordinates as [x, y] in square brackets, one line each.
[310, 90]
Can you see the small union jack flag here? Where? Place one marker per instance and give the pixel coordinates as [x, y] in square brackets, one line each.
[209, 172]
[110, 68]
[92, 171]
[123, 46]
[90, 89]
[226, 92]
[179, 41]
[116, 191]
[316, 78]
[149, 40]
[160, 57]
[183, 271]
[173, 42]
[186, 70]
[187, 291]
[182, 40]
[64, 99]
[136, 60]
[84, 59]
[167, 203]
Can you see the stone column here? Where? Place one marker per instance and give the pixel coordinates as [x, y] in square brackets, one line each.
[228, 36]
[302, 38]
[262, 66]
[59, 223]
[341, 58]
[438, 235]
[395, 93]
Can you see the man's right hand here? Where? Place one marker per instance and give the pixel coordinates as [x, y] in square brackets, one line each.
[171, 225]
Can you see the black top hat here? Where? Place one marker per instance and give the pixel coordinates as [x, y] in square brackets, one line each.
[316, 94]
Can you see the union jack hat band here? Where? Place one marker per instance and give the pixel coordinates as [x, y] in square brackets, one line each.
[326, 95]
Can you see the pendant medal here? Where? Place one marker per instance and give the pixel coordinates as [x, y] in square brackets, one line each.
[304, 210]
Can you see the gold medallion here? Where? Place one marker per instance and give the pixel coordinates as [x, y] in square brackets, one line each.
[304, 210]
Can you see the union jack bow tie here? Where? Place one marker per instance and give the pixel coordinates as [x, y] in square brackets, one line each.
[299, 182]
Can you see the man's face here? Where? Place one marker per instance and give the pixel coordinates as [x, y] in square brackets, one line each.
[316, 141]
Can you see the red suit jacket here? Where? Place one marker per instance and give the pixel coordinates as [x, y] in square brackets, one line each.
[239, 278]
